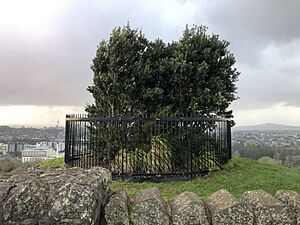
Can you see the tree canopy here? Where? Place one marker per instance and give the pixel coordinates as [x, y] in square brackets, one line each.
[133, 75]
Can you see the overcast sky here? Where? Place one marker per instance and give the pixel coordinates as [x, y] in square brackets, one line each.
[46, 48]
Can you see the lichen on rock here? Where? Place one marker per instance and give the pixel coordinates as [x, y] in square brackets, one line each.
[116, 210]
[149, 208]
[292, 200]
[226, 209]
[51, 196]
[267, 209]
[188, 209]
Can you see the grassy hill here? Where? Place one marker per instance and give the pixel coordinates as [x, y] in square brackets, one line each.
[238, 176]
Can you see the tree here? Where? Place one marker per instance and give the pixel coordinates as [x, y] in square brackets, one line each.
[116, 68]
[203, 78]
[133, 75]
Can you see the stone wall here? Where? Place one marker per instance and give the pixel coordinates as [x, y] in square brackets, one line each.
[76, 196]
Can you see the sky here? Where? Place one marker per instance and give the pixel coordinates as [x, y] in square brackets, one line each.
[47, 46]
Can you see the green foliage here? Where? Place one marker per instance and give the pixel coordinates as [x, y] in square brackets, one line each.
[238, 176]
[161, 152]
[116, 66]
[203, 79]
[133, 75]
[130, 161]
[207, 160]
[137, 76]
[8, 164]
[162, 157]
[158, 158]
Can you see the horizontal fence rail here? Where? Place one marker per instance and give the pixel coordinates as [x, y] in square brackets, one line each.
[148, 146]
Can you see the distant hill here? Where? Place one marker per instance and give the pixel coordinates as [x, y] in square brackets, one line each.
[266, 127]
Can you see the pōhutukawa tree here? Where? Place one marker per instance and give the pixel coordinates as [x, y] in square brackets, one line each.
[135, 76]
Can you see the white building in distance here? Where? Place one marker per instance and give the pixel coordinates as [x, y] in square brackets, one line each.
[38, 155]
[34, 155]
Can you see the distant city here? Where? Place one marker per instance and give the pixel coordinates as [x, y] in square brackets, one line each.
[38, 144]
[268, 134]
[32, 144]
[273, 138]
[279, 142]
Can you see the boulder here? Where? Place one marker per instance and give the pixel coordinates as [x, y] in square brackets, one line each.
[149, 208]
[5, 188]
[188, 209]
[292, 200]
[116, 210]
[226, 209]
[54, 196]
[81, 197]
[267, 210]
[27, 200]
[269, 160]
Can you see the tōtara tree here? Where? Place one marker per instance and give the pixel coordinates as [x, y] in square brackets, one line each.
[133, 75]
[116, 70]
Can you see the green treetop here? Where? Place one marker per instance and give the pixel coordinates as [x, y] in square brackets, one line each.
[133, 75]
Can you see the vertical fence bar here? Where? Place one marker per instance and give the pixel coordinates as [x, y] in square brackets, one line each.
[67, 142]
[229, 139]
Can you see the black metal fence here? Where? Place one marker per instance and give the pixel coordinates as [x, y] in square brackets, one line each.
[147, 146]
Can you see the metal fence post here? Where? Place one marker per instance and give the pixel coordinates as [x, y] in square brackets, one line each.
[67, 144]
[229, 139]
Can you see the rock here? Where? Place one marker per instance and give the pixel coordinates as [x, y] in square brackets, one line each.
[269, 160]
[292, 161]
[75, 201]
[79, 198]
[4, 191]
[292, 200]
[30, 222]
[116, 210]
[27, 200]
[149, 208]
[53, 197]
[267, 210]
[73, 222]
[226, 209]
[188, 209]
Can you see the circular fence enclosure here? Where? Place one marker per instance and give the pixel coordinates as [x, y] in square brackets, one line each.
[148, 147]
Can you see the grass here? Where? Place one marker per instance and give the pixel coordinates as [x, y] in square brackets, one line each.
[238, 176]
[53, 163]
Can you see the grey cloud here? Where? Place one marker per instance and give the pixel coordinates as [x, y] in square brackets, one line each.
[263, 87]
[254, 28]
[56, 70]
[252, 24]
[276, 20]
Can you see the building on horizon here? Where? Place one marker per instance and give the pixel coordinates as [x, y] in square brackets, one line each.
[40, 154]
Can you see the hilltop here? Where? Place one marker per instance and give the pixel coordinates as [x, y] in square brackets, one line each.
[238, 176]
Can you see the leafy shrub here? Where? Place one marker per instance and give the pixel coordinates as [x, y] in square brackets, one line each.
[9, 164]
